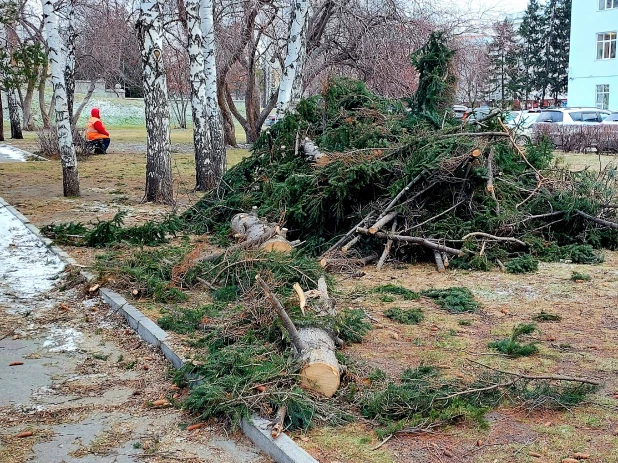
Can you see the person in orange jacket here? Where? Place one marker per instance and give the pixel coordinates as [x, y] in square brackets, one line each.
[95, 130]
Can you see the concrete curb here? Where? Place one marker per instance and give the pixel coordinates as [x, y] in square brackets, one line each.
[282, 450]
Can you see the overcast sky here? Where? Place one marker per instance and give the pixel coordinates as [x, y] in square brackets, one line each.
[499, 8]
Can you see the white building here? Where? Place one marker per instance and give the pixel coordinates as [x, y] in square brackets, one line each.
[593, 61]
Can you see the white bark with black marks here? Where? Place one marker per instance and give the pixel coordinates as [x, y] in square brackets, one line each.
[70, 176]
[290, 87]
[201, 131]
[11, 93]
[159, 186]
[14, 113]
[69, 68]
[215, 118]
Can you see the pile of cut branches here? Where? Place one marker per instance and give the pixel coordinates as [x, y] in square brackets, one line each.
[352, 170]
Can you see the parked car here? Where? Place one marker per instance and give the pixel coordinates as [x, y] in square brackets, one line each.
[474, 114]
[575, 116]
[611, 119]
[270, 120]
[578, 129]
[459, 111]
[520, 122]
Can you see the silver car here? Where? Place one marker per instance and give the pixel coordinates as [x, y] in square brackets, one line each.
[520, 122]
[573, 116]
[611, 119]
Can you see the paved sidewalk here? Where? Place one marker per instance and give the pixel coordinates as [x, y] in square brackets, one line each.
[84, 383]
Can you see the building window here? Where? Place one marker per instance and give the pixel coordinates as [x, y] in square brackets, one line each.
[603, 96]
[606, 45]
[608, 4]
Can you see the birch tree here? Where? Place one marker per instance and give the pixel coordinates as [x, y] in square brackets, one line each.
[69, 68]
[1, 119]
[201, 132]
[7, 80]
[70, 176]
[159, 187]
[215, 120]
[290, 87]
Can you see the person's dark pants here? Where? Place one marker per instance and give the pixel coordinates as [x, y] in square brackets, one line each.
[106, 142]
[100, 145]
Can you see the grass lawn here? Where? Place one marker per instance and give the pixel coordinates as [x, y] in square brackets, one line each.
[108, 183]
[137, 134]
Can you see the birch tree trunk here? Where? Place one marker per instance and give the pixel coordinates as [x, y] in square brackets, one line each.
[14, 113]
[294, 61]
[1, 119]
[11, 94]
[201, 131]
[70, 175]
[215, 119]
[69, 68]
[159, 186]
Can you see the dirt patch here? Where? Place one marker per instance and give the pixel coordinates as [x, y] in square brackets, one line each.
[581, 344]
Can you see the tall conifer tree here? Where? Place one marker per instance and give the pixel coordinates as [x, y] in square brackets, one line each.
[532, 50]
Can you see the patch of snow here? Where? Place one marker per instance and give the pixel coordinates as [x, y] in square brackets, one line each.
[62, 339]
[81, 377]
[89, 303]
[30, 409]
[28, 267]
[12, 153]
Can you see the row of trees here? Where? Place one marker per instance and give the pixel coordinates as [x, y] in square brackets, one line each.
[196, 52]
[530, 63]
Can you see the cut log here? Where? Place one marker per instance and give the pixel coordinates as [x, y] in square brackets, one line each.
[387, 247]
[315, 350]
[439, 262]
[254, 232]
[340, 265]
[312, 153]
[278, 422]
[350, 244]
[277, 244]
[248, 225]
[376, 227]
[327, 304]
[320, 369]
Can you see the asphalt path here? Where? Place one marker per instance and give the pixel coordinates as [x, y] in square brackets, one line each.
[78, 386]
